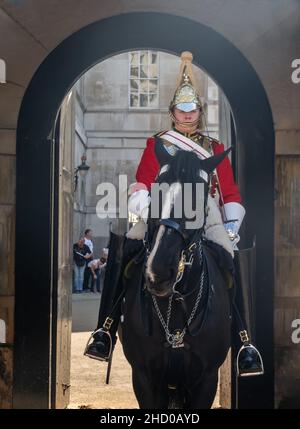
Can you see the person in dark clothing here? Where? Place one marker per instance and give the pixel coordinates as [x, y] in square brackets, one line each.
[81, 253]
[88, 276]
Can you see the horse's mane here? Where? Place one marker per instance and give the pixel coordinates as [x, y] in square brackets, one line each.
[184, 167]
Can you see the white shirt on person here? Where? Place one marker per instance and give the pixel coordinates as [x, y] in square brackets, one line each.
[89, 243]
[94, 263]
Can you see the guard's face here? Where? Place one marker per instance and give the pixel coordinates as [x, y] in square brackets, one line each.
[182, 116]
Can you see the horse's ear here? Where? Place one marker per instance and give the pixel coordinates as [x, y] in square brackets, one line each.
[161, 153]
[211, 163]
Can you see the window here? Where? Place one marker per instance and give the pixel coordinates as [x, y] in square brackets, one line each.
[212, 114]
[212, 103]
[143, 79]
[211, 95]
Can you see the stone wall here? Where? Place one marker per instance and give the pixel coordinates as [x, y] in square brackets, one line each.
[80, 145]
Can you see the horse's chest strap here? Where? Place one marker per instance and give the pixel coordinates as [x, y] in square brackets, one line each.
[176, 339]
[175, 373]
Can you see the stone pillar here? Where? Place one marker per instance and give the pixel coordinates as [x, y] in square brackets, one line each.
[287, 248]
[7, 247]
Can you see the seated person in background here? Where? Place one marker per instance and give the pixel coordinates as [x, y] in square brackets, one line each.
[81, 253]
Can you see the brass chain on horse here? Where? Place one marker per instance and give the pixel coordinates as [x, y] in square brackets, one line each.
[176, 340]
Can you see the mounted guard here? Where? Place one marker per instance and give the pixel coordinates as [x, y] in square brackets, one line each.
[224, 218]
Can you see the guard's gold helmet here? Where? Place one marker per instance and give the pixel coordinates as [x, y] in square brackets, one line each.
[186, 97]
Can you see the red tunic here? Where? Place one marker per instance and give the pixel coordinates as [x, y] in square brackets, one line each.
[149, 167]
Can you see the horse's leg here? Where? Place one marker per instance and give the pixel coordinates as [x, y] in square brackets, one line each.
[202, 397]
[147, 396]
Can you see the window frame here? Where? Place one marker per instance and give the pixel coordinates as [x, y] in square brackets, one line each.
[139, 107]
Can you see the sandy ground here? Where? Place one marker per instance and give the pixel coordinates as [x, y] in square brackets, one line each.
[88, 388]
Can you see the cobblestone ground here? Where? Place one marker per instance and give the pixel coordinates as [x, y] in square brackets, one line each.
[88, 388]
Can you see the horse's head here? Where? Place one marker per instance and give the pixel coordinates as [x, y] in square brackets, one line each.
[176, 217]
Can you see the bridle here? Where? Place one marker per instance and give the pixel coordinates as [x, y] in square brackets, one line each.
[191, 246]
[188, 252]
[176, 340]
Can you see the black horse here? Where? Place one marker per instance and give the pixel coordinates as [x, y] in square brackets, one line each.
[176, 331]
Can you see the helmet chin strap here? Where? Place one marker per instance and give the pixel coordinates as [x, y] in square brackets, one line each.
[190, 126]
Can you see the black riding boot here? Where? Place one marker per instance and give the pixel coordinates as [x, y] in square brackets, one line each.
[121, 251]
[104, 340]
[104, 337]
[249, 361]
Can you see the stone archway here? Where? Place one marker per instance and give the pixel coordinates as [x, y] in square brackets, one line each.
[35, 178]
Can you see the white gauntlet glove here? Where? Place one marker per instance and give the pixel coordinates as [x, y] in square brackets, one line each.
[232, 231]
[234, 215]
[138, 203]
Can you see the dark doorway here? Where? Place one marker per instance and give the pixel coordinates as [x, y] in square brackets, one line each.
[36, 168]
